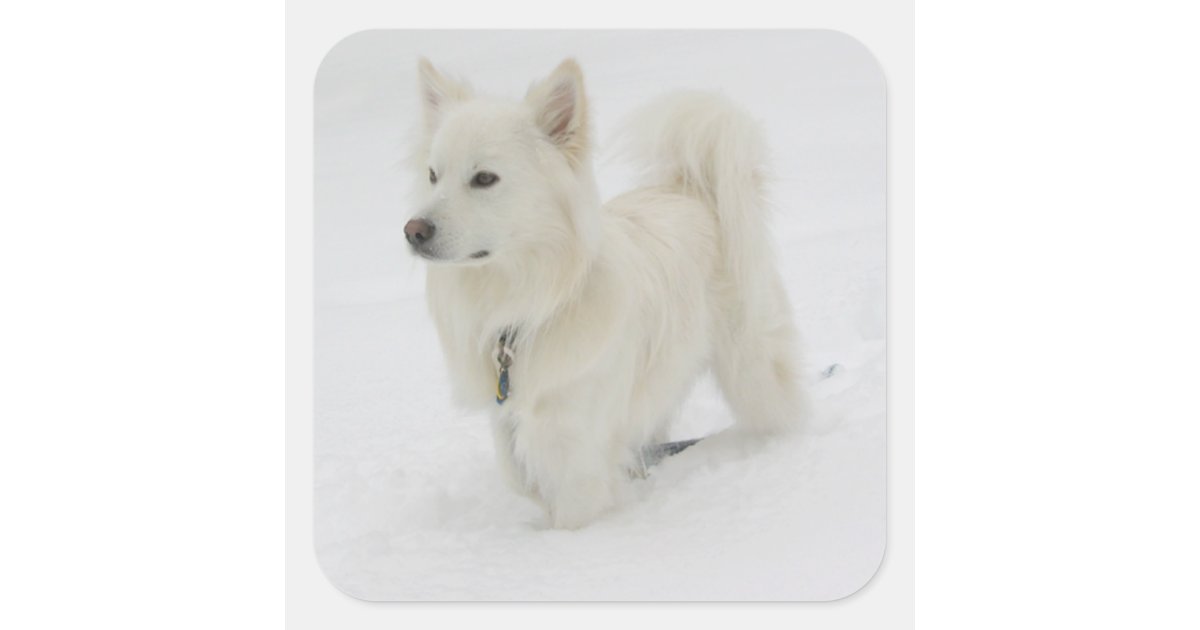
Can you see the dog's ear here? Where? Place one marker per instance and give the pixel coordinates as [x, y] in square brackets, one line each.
[438, 92]
[560, 107]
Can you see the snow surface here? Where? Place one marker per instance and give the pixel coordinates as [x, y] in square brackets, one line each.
[409, 504]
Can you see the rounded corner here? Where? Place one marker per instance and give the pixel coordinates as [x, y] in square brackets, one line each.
[336, 45]
[858, 43]
[332, 582]
[867, 582]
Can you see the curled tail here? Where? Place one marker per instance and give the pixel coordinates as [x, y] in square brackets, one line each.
[703, 146]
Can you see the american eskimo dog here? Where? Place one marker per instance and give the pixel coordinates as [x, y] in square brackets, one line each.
[583, 326]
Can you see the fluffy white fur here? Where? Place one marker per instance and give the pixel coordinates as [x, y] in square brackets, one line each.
[618, 307]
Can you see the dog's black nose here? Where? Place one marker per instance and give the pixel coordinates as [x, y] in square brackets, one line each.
[418, 231]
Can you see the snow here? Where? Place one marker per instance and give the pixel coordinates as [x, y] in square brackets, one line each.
[408, 502]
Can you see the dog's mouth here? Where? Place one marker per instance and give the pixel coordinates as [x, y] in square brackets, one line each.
[433, 256]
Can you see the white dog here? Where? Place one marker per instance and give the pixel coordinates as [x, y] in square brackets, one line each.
[583, 326]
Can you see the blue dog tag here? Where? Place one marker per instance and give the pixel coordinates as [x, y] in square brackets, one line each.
[502, 386]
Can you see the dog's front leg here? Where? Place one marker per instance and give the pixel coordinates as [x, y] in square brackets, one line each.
[570, 464]
[586, 488]
[512, 469]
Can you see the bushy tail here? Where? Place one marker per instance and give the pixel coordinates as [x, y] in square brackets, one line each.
[703, 146]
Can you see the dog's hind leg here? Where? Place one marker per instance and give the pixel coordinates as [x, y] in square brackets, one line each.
[757, 365]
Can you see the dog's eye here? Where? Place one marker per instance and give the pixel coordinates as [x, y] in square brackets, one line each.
[483, 179]
[432, 177]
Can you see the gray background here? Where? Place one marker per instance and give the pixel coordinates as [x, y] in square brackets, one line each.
[311, 32]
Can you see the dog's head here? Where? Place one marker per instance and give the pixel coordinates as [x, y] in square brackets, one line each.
[498, 177]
